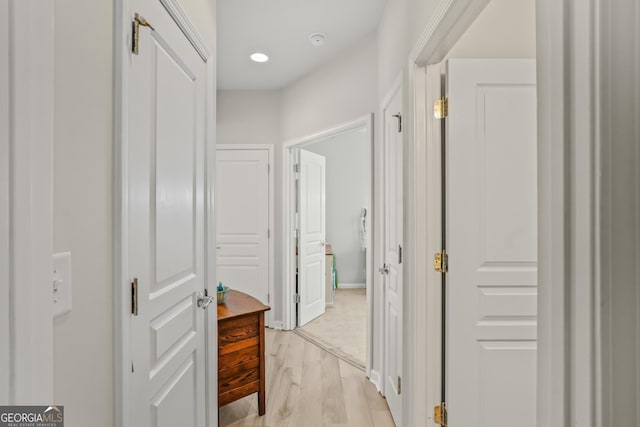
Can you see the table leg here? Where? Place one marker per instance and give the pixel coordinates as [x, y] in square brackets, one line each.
[261, 393]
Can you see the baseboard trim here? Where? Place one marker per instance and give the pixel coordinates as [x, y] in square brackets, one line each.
[351, 285]
[277, 324]
[375, 379]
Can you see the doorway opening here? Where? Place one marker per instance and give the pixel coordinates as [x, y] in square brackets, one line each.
[328, 214]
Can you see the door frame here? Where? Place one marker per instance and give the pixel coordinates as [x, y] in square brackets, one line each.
[270, 149]
[569, 309]
[380, 374]
[26, 201]
[289, 224]
[123, 15]
[423, 298]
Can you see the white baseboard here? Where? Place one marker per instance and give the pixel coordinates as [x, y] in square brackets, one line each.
[351, 285]
[277, 324]
[376, 379]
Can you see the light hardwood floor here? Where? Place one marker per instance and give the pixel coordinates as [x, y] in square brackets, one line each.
[308, 387]
[342, 329]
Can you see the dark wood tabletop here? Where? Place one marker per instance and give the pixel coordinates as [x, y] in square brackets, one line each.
[239, 304]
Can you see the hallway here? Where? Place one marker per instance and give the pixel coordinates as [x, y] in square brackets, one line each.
[306, 386]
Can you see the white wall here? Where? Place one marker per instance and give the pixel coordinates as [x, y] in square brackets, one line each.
[83, 201]
[347, 192]
[340, 91]
[619, 164]
[249, 117]
[5, 249]
[402, 23]
[83, 175]
[504, 29]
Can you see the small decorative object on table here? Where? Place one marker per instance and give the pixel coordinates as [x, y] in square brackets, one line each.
[222, 293]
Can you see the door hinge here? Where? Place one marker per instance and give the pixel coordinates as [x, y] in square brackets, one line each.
[138, 20]
[441, 108]
[296, 168]
[440, 414]
[441, 262]
[297, 298]
[268, 168]
[134, 296]
[399, 385]
[399, 254]
[268, 233]
[399, 117]
[268, 298]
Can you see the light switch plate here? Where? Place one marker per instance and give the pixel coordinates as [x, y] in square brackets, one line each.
[61, 283]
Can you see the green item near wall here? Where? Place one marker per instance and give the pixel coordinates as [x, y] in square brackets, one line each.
[334, 272]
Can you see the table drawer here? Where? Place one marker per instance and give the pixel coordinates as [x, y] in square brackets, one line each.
[237, 377]
[238, 357]
[239, 330]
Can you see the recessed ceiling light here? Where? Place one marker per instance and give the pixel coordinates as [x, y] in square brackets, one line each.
[317, 39]
[259, 57]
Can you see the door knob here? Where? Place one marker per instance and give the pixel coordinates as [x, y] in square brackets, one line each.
[204, 300]
[323, 243]
[384, 269]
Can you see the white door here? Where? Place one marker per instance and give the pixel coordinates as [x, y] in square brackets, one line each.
[166, 205]
[311, 251]
[392, 270]
[491, 233]
[242, 178]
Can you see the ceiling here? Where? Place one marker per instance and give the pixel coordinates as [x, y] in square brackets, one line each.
[281, 29]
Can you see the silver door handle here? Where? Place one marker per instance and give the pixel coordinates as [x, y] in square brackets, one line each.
[204, 300]
[384, 269]
[323, 243]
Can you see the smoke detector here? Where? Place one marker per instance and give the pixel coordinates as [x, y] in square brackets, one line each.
[317, 39]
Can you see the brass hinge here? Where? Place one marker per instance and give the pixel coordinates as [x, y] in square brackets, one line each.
[441, 108]
[138, 20]
[440, 414]
[134, 296]
[441, 262]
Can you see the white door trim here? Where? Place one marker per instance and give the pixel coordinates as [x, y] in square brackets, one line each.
[378, 371]
[569, 226]
[288, 227]
[423, 299]
[270, 148]
[26, 201]
[123, 16]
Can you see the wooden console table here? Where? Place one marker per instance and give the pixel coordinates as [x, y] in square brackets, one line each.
[241, 349]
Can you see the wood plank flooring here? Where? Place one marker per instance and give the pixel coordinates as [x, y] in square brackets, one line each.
[308, 387]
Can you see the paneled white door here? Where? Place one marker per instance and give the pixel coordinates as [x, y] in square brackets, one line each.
[491, 234]
[311, 251]
[392, 269]
[242, 178]
[165, 164]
